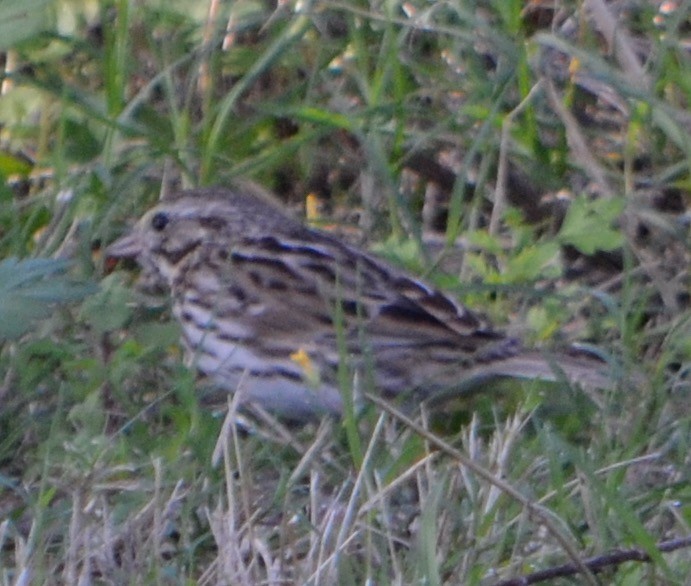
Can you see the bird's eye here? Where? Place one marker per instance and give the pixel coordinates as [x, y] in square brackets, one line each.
[159, 221]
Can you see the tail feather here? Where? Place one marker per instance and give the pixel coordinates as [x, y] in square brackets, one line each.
[583, 371]
[579, 369]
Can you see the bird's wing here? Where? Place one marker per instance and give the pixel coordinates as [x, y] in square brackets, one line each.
[284, 297]
[306, 288]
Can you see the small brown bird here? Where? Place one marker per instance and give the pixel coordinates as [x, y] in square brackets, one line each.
[273, 309]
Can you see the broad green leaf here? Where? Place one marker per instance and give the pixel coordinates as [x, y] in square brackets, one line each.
[30, 289]
[531, 262]
[110, 308]
[404, 253]
[588, 224]
[20, 20]
[482, 239]
[11, 164]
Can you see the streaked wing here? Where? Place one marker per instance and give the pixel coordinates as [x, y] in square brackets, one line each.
[293, 295]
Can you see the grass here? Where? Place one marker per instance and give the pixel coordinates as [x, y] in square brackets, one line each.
[110, 469]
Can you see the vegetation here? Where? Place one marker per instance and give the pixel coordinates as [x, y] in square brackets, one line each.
[533, 159]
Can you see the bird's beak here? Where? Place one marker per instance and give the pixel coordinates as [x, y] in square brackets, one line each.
[128, 246]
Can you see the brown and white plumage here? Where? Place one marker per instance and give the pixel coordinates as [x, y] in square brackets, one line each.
[264, 300]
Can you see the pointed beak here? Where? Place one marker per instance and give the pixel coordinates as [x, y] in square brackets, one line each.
[129, 246]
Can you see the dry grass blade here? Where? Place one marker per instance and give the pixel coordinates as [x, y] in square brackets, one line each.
[536, 511]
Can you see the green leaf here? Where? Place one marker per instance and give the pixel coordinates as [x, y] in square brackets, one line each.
[21, 20]
[531, 262]
[30, 289]
[484, 240]
[110, 309]
[11, 164]
[405, 253]
[588, 224]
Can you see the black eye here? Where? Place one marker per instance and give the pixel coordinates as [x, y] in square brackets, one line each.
[159, 221]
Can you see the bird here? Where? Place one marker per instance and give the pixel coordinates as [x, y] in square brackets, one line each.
[279, 311]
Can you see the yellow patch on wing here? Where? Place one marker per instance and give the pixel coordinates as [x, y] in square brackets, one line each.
[302, 359]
